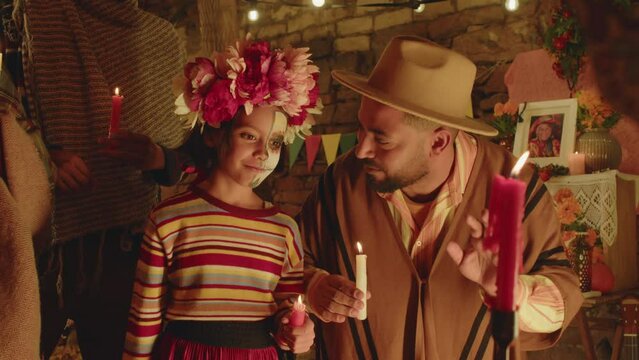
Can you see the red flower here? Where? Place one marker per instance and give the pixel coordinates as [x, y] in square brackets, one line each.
[219, 104]
[252, 85]
[544, 175]
[566, 13]
[559, 42]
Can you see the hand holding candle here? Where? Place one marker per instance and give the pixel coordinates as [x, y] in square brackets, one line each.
[298, 314]
[360, 277]
[116, 108]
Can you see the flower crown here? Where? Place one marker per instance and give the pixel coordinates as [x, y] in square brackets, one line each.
[249, 75]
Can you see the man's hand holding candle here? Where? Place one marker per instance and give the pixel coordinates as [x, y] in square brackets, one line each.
[334, 297]
[475, 262]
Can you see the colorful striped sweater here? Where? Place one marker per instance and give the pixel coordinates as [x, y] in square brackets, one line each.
[205, 260]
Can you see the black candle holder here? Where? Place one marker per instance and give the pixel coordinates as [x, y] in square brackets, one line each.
[503, 325]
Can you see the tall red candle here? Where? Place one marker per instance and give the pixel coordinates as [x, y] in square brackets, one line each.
[116, 108]
[298, 314]
[506, 210]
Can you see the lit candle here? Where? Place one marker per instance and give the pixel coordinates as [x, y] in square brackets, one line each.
[360, 277]
[506, 209]
[116, 108]
[577, 163]
[298, 314]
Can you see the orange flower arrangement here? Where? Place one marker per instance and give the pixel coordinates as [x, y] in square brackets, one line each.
[504, 119]
[576, 234]
[593, 112]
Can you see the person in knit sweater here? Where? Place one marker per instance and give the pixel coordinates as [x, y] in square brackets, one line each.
[74, 54]
[218, 265]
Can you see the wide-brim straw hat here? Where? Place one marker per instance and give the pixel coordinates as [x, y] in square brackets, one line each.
[421, 78]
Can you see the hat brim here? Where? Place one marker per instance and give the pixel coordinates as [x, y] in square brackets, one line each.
[359, 84]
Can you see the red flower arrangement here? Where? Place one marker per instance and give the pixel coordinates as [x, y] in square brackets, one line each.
[250, 74]
[564, 41]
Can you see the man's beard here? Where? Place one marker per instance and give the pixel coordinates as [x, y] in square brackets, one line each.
[394, 182]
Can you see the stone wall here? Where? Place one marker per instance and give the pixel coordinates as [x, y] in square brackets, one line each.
[352, 39]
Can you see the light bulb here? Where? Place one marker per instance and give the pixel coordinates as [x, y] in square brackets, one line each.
[420, 9]
[318, 3]
[512, 5]
[253, 15]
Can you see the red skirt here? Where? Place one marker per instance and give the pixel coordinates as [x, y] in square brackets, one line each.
[174, 348]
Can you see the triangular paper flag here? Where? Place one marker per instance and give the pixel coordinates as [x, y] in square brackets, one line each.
[347, 141]
[294, 150]
[312, 148]
[331, 142]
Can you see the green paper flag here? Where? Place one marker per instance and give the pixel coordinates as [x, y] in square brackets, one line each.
[347, 142]
[330, 142]
[294, 150]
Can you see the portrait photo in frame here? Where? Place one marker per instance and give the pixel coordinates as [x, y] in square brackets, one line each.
[547, 129]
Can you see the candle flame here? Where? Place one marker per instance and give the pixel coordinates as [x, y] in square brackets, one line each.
[359, 247]
[520, 164]
[117, 91]
[299, 299]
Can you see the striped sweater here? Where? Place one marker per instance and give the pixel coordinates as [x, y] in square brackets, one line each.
[206, 260]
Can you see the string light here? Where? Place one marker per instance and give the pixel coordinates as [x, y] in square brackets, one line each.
[318, 3]
[512, 5]
[420, 9]
[253, 15]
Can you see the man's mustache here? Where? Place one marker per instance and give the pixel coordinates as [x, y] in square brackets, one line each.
[371, 163]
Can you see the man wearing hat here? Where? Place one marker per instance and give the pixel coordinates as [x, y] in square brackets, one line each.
[411, 193]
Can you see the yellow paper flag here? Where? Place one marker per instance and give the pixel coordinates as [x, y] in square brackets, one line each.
[331, 143]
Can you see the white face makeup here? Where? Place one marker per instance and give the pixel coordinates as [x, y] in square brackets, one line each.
[273, 148]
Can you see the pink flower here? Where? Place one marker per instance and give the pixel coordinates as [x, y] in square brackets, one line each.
[313, 95]
[200, 75]
[299, 79]
[498, 109]
[219, 104]
[278, 82]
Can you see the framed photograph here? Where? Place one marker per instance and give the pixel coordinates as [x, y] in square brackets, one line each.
[547, 131]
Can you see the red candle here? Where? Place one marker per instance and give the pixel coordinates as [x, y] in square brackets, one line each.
[506, 210]
[298, 314]
[116, 108]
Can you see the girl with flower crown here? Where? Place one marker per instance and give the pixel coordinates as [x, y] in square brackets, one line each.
[218, 265]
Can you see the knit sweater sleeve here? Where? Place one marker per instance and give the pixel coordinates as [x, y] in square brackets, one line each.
[148, 300]
[291, 282]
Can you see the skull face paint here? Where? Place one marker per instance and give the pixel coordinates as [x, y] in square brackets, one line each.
[273, 148]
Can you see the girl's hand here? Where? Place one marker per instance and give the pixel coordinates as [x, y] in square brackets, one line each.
[296, 339]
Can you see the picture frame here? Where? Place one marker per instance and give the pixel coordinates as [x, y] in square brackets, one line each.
[548, 130]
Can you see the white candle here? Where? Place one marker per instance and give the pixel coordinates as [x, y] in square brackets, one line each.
[360, 277]
[577, 163]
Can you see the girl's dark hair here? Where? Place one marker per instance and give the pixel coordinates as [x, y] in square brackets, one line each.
[204, 157]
